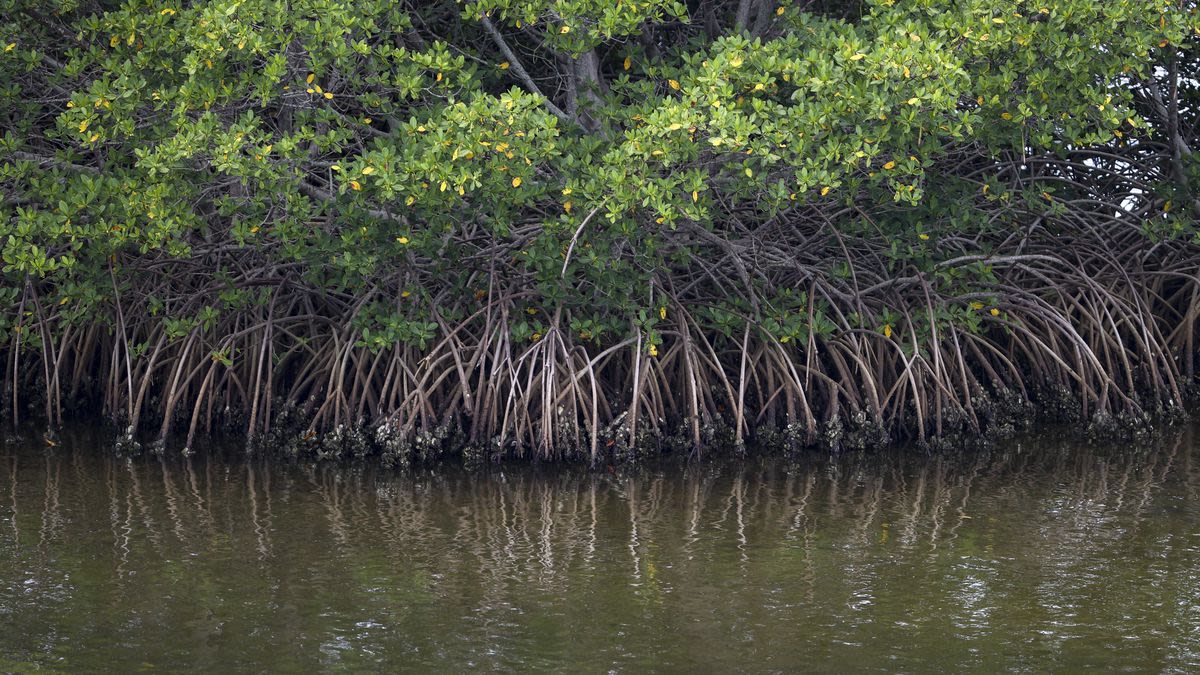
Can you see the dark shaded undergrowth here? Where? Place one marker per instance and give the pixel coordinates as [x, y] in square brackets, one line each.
[1091, 323]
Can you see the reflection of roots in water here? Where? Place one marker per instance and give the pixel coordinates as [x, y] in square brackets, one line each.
[527, 526]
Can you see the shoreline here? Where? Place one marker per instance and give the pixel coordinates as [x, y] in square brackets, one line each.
[357, 447]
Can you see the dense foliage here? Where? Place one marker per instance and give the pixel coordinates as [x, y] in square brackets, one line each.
[527, 221]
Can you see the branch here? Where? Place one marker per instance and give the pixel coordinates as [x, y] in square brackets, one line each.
[762, 20]
[326, 196]
[46, 162]
[1168, 113]
[741, 20]
[586, 77]
[567, 257]
[516, 67]
[1178, 144]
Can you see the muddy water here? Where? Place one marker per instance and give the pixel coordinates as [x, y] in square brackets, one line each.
[1042, 554]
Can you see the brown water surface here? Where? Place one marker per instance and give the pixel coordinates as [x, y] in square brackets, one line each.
[1039, 555]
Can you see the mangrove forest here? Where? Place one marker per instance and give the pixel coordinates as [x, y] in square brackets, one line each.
[590, 230]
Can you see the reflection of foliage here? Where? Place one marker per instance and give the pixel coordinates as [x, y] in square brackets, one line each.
[536, 183]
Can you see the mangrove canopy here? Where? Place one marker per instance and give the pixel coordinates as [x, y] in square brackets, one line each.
[571, 228]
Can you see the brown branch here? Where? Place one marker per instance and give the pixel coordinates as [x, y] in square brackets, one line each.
[517, 68]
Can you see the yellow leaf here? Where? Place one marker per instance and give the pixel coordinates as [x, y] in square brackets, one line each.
[167, 11]
[83, 126]
[439, 77]
[736, 62]
[564, 30]
[114, 41]
[402, 240]
[328, 95]
[567, 206]
[409, 202]
[825, 190]
[310, 78]
[355, 185]
[94, 138]
[997, 20]
[662, 312]
[405, 294]
[858, 57]
[779, 11]
[907, 72]
[317, 88]
[567, 191]
[749, 172]
[442, 187]
[628, 63]
[368, 170]
[887, 330]
[516, 182]
[367, 120]
[504, 65]
[695, 196]
[673, 84]
[923, 237]
[976, 305]
[1006, 115]
[994, 312]
[913, 101]
[889, 166]
[653, 350]
[10, 46]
